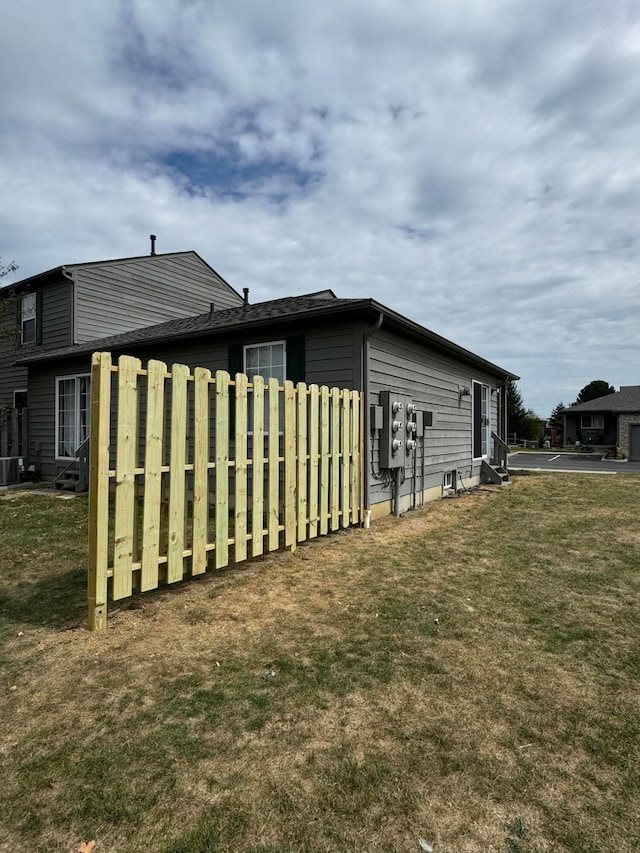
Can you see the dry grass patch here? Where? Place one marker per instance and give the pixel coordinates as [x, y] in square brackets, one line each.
[467, 674]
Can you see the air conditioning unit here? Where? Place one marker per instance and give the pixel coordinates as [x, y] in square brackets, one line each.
[9, 470]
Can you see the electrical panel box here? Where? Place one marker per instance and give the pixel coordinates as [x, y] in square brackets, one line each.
[424, 420]
[376, 417]
[398, 436]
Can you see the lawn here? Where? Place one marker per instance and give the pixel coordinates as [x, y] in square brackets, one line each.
[467, 674]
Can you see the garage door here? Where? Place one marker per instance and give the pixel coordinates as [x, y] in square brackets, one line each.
[634, 443]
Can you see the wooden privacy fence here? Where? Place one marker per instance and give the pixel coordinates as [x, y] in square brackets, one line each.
[189, 470]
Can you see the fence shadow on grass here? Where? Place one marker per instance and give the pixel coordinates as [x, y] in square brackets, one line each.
[51, 602]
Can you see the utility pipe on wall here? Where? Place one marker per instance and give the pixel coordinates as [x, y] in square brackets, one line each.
[367, 409]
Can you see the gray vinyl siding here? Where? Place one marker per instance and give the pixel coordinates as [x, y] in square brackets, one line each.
[119, 296]
[57, 308]
[42, 409]
[11, 378]
[432, 380]
[332, 357]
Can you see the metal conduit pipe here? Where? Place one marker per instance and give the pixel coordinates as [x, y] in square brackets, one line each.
[396, 491]
[367, 413]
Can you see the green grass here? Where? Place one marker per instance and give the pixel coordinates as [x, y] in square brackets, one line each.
[466, 674]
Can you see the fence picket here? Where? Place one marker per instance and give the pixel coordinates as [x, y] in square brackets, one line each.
[313, 461]
[177, 463]
[222, 468]
[301, 488]
[345, 473]
[202, 380]
[126, 454]
[289, 465]
[335, 458]
[307, 482]
[274, 464]
[99, 490]
[323, 509]
[240, 509]
[257, 469]
[355, 457]
[153, 459]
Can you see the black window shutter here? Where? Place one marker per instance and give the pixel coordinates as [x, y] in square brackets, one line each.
[235, 365]
[39, 317]
[295, 358]
[235, 360]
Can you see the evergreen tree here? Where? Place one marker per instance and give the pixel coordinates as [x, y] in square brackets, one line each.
[556, 420]
[595, 389]
[516, 414]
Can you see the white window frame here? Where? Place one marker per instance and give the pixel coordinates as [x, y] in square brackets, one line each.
[20, 391]
[447, 480]
[266, 378]
[485, 441]
[247, 347]
[29, 315]
[599, 425]
[77, 426]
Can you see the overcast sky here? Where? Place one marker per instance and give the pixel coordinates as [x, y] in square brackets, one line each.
[473, 165]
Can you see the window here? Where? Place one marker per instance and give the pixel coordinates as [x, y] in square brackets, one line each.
[72, 414]
[269, 361]
[28, 318]
[592, 421]
[447, 482]
[266, 360]
[20, 399]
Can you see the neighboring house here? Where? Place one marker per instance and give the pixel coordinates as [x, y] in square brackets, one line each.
[609, 421]
[75, 303]
[317, 338]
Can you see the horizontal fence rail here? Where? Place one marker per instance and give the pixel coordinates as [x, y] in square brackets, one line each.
[190, 471]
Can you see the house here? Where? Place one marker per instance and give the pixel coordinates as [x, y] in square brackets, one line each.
[609, 421]
[75, 303]
[357, 344]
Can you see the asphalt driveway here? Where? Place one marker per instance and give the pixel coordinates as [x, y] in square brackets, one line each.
[589, 463]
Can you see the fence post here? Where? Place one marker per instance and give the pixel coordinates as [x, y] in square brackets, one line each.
[99, 490]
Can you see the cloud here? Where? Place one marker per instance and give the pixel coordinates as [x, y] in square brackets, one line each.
[473, 166]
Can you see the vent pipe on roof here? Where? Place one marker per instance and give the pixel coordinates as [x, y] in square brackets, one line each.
[245, 290]
[212, 307]
[152, 237]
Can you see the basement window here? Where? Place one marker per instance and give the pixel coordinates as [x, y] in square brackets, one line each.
[448, 480]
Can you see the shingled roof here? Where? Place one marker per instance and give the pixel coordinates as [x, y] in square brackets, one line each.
[243, 316]
[291, 309]
[627, 399]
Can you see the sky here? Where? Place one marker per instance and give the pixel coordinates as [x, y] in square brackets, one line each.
[472, 165]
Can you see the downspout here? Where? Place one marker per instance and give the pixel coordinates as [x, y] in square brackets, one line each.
[367, 416]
